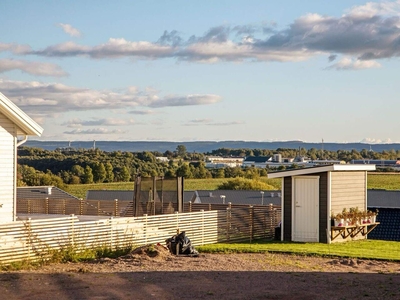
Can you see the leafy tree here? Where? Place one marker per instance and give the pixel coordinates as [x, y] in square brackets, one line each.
[88, 175]
[184, 171]
[109, 172]
[181, 150]
[125, 175]
[99, 172]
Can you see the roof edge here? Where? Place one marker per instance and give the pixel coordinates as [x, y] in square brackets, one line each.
[21, 119]
[319, 169]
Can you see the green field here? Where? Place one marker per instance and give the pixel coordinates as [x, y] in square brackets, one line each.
[366, 249]
[375, 181]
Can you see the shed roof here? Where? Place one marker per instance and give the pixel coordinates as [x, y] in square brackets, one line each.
[320, 169]
[26, 125]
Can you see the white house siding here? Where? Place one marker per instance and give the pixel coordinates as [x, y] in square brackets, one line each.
[348, 190]
[7, 170]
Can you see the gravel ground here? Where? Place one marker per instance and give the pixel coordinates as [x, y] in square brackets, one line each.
[160, 275]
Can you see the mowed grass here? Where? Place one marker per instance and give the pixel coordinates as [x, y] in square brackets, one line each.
[375, 181]
[383, 181]
[363, 249]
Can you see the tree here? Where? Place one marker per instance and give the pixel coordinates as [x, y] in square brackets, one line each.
[88, 175]
[181, 150]
[125, 176]
[109, 172]
[184, 171]
[99, 172]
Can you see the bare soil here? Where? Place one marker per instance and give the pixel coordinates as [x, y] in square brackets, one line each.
[154, 273]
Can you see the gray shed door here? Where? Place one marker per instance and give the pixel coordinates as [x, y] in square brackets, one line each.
[306, 209]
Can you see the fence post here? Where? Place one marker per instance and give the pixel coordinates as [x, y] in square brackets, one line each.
[202, 226]
[63, 211]
[47, 206]
[251, 214]
[190, 206]
[98, 208]
[145, 229]
[228, 223]
[111, 234]
[72, 230]
[81, 206]
[29, 238]
[29, 206]
[177, 221]
[115, 207]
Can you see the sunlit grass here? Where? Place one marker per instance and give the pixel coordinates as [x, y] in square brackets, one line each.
[365, 249]
[383, 181]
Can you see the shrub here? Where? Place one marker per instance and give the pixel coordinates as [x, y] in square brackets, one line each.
[244, 184]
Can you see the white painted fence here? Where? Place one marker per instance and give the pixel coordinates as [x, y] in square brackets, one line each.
[36, 239]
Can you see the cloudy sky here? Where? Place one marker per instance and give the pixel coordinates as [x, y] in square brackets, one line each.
[204, 70]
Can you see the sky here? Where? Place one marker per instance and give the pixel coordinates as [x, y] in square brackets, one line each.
[204, 70]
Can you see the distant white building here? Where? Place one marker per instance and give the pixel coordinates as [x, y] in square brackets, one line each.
[221, 162]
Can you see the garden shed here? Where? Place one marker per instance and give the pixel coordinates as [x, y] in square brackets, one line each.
[311, 195]
[13, 123]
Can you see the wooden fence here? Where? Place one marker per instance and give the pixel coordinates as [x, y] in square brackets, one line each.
[38, 239]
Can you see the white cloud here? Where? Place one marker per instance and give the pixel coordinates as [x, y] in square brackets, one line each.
[376, 141]
[210, 122]
[98, 122]
[68, 29]
[33, 68]
[142, 112]
[351, 64]
[184, 101]
[364, 33]
[94, 131]
[59, 98]
[15, 48]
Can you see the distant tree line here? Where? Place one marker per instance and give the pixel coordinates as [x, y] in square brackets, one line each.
[37, 166]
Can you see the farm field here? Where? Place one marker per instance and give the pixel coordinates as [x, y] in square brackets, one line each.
[383, 181]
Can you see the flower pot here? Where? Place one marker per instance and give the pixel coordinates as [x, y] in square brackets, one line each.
[339, 223]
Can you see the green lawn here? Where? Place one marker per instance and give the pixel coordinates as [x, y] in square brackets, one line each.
[365, 249]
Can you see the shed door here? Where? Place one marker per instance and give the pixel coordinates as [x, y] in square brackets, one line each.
[306, 209]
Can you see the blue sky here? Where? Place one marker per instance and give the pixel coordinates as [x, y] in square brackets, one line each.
[204, 70]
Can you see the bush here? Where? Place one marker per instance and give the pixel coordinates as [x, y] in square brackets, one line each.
[244, 184]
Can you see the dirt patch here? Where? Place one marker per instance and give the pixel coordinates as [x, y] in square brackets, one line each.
[152, 272]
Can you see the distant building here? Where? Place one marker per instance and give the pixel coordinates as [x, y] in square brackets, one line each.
[222, 162]
[383, 163]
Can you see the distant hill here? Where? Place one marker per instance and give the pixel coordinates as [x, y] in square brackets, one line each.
[205, 146]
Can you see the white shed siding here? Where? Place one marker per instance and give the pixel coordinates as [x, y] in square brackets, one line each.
[348, 190]
[7, 169]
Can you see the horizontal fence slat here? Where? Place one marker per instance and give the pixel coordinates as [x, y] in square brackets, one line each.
[33, 239]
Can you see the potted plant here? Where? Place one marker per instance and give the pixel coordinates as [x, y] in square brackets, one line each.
[339, 219]
[371, 216]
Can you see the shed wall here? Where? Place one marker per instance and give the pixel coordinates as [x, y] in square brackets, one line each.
[287, 209]
[348, 189]
[323, 206]
[7, 168]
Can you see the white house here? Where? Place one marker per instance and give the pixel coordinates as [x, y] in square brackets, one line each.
[13, 123]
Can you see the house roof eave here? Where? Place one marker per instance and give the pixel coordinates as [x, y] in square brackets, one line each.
[25, 124]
